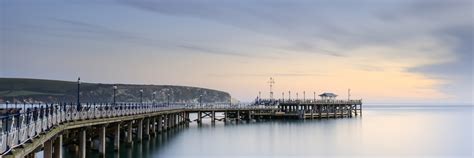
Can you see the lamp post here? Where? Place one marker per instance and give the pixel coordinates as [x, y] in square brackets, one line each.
[283, 96]
[289, 95]
[314, 96]
[78, 94]
[200, 100]
[141, 97]
[168, 100]
[154, 94]
[304, 96]
[115, 93]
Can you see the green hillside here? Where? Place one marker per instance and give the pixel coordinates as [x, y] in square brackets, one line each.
[33, 90]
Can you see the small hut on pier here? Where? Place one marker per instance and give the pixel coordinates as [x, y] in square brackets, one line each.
[328, 96]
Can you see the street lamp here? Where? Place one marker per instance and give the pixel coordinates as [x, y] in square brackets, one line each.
[168, 100]
[141, 96]
[283, 96]
[289, 95]
[304, 95]
[200, 100]
[314, 96]
[6, 105]
[154, 94]
[78, 94]
[115, 93]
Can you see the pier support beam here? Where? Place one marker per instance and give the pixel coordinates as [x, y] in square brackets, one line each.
[129, 132]
[199, 117]
[102, 140]
[58, 150]
[160, 123]
[140, 129]
[226, 116]
[48, 148]
[238, 115]
[213, 115]
[117, 137]
[165, 122]
[82, 143]
[147, 128]
[153, 126]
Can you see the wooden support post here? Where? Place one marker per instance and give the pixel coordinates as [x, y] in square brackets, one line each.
[320, 110]
[129, 132]
[355, 109]
[140, 130]
[48, 148]
[173, 120]
[238, 115]
[199, 117]
[147, 128]
[249, 117]
[153, 126]
[350, 110]
[102, 140]
[82, 143]
[165, 122]
[226, 116]
[213, 115]
[117, 137]
[160, 123]
[58, 150]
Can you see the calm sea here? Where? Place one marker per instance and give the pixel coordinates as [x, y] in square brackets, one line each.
[395, 131]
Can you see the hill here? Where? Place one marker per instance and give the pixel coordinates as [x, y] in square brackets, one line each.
[39, 90]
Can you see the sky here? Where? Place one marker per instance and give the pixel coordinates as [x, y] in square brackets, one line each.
[385, 51]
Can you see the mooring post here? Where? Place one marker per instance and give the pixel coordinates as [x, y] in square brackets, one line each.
[82, 143]
[48, 148]
[58, 150]
[102, 129]
[117, 137]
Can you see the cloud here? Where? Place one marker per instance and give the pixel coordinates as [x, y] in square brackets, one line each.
[266, 75]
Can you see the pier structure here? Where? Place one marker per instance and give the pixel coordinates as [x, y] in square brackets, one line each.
[51, 127]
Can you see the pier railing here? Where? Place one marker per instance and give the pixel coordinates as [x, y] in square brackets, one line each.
[311, 101]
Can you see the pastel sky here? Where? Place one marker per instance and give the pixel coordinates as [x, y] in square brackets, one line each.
[385, 51]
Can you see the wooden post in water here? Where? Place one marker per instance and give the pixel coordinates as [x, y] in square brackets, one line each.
[102, 129]
[117, 137]
[58, 143]
[160, 123]
[213, 116]
[82, 143]
[129, 132]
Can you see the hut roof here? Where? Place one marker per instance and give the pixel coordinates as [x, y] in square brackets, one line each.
[328, 95]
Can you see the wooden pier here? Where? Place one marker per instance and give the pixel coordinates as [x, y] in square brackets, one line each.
[49, 127]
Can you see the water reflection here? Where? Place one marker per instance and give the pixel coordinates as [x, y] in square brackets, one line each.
[381, 132]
